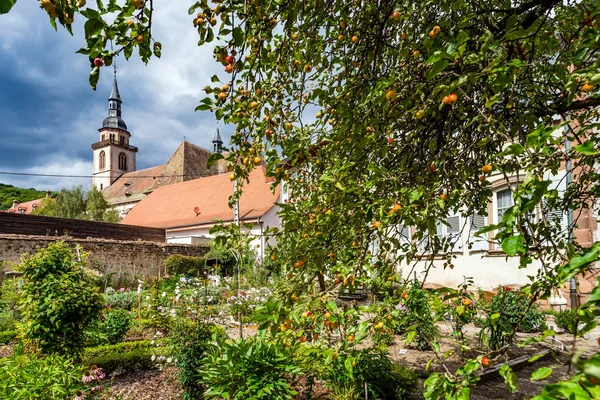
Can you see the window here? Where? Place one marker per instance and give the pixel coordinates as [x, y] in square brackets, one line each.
[102, 160]
[103, 136]
[477, 242]
[505, 201]
[112, 137]
[101, 186]
[123, 161]
[121, 139]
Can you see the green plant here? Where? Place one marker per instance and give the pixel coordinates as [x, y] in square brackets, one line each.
[420, 321]
[189, 341]
[127, 356]
[7, 336]
[508, 312]
[125, 300]
[177, 264]
[35, 377]
[249, 369]
[57, 303]
[116, 324]
[383, 337]
[567, 320]
[385, 379]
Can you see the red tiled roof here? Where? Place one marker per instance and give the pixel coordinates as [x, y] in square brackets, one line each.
[25, 208]
[132, 186]
[173, 205]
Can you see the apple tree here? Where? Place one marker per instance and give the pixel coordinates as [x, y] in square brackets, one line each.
[381, 115]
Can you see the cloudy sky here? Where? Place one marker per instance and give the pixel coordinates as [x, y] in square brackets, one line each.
[50, 116]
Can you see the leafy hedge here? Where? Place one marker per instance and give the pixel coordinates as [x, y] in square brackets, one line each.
[176, 264]
[127, 356]
[7, 336]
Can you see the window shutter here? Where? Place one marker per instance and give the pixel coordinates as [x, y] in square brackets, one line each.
[477, 222]
[556, 216]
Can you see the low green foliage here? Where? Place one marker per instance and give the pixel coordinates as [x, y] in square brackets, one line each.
[125, 300]
[508, 312]
[419, 321]
[8, 336]
[567, 320]
[116, 324]
[57, 303]
[127, 356]
[385, 379]
[177, 264]
[189, 341]
[34, 377]
[249, 369]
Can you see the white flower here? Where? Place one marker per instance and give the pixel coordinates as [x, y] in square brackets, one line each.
[153, 356]
[164, 294]
[169, 360]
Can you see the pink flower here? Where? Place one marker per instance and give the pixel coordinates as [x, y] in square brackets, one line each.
[122, 290]
[87, 379]
[107, 305]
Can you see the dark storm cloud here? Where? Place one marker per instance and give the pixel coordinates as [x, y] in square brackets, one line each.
[49, 116]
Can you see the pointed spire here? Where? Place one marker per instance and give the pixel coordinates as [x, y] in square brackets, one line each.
[218, 142]
[114, 93]
[114, 119]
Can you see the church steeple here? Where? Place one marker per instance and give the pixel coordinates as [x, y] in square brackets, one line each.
[218, 142]
[114, 119]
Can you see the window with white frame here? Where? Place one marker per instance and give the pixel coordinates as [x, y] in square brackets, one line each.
[477, 222]
[504, 200]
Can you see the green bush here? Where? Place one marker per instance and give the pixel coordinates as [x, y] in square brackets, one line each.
[508, 312]
[189, 341]
[567, 320]
[7, 336]
[176, 264]
[127, 356]
[248, 369]
[419, 318]
[116, 324]
[34, 377]
[124, 300]
[385, 380]
[7, 322]
[57, 303]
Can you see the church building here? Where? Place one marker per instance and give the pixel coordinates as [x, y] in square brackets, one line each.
[114, 162]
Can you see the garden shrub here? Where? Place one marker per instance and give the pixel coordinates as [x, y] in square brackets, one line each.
[116, 324]
[189, 341]
[176, 264]
[7, 322]
[567, 320]
[420, 320]
[250, 368]
[33, 377]
[127, 356]
[124, 300]
[385, 379]
[57, 303]
[508, 312]
[7, 336]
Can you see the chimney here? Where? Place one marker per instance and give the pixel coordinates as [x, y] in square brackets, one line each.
[15, 204]
[48, 194]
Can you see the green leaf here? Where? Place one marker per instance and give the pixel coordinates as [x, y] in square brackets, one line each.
[437, 67]
[94, 76]
[6, 5]
[93, 27]
[512, 382]
[213, 159]
[238, 36]
[541, 373]
[587, 149]
[513, 245]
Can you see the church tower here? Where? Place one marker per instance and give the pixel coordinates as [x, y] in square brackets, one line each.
[113, 155]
